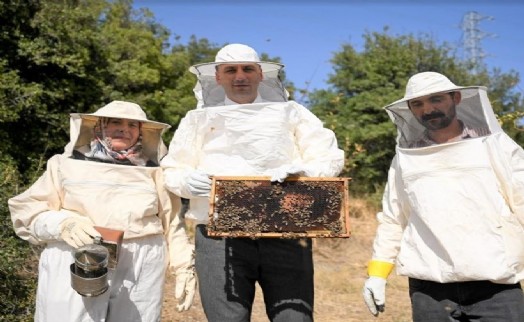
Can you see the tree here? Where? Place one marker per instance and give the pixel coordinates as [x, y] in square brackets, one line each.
[59, 57]
[364, 82]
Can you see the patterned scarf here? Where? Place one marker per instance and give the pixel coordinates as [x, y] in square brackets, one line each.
[101, 148]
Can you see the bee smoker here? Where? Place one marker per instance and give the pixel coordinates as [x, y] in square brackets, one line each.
[89, 271]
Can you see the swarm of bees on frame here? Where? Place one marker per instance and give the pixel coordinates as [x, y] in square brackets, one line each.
[292, 208]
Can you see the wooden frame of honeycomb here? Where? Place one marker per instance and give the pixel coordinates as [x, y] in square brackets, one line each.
[298, 207]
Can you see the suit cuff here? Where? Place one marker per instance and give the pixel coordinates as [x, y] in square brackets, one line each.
[379, 268]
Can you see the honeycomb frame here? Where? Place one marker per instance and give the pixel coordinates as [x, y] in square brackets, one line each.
[298, 207]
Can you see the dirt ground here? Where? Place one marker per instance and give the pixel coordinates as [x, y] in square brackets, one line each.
[340, 272]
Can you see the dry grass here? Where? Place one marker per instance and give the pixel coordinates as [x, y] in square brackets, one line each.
[340, 272]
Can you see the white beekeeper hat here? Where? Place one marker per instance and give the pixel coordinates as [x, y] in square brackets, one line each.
[427, 83]
[234, 54]
[209, 93]
[124, 110]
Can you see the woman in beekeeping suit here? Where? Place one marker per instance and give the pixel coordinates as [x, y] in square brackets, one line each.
[453, 208]
[108, 176]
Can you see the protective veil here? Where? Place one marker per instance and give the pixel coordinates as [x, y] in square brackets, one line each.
[454, 211]
[122, 197]
[209, 93]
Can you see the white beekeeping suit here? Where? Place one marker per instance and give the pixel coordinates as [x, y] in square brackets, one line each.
[246, 139]
[252, 131]
[112, 195]
[472, 188]
[454, 211]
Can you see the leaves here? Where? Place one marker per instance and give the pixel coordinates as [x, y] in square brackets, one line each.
[364, 82]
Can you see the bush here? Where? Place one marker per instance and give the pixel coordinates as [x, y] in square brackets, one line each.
[17, 258]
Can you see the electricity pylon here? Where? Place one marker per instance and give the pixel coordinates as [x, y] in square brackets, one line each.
[472, 37]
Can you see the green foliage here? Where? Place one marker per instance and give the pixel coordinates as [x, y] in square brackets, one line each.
[17, 276]
[76, 56]
[365, 82]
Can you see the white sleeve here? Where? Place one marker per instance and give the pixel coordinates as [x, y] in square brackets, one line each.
[320, 154]
[41, 199]
[46, 226]
[508, 163]
[182, 157]
[392, 219]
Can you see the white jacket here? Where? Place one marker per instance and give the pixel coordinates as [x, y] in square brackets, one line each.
[248, 140]
[455, 212]
[128, 198]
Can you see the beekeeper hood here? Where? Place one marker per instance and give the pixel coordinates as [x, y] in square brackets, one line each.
[209, 93]
[474, 110]
[82, 127]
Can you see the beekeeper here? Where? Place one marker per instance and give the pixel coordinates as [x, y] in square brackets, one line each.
[245, 126]
[108, 176]
[453, 208]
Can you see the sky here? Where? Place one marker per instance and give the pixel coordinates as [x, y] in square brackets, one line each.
[305, 34]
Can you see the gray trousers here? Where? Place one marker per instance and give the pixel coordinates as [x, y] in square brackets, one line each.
[228, 269]
[479, 301]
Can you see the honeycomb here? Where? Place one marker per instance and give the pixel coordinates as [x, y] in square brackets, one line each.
[298, 207]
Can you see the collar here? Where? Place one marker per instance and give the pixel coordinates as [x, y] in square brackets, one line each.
[227, 101]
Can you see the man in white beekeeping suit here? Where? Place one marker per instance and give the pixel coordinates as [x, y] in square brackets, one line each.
[245, 126]
[453, 208]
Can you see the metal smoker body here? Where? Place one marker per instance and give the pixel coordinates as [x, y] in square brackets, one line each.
[89, 271]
